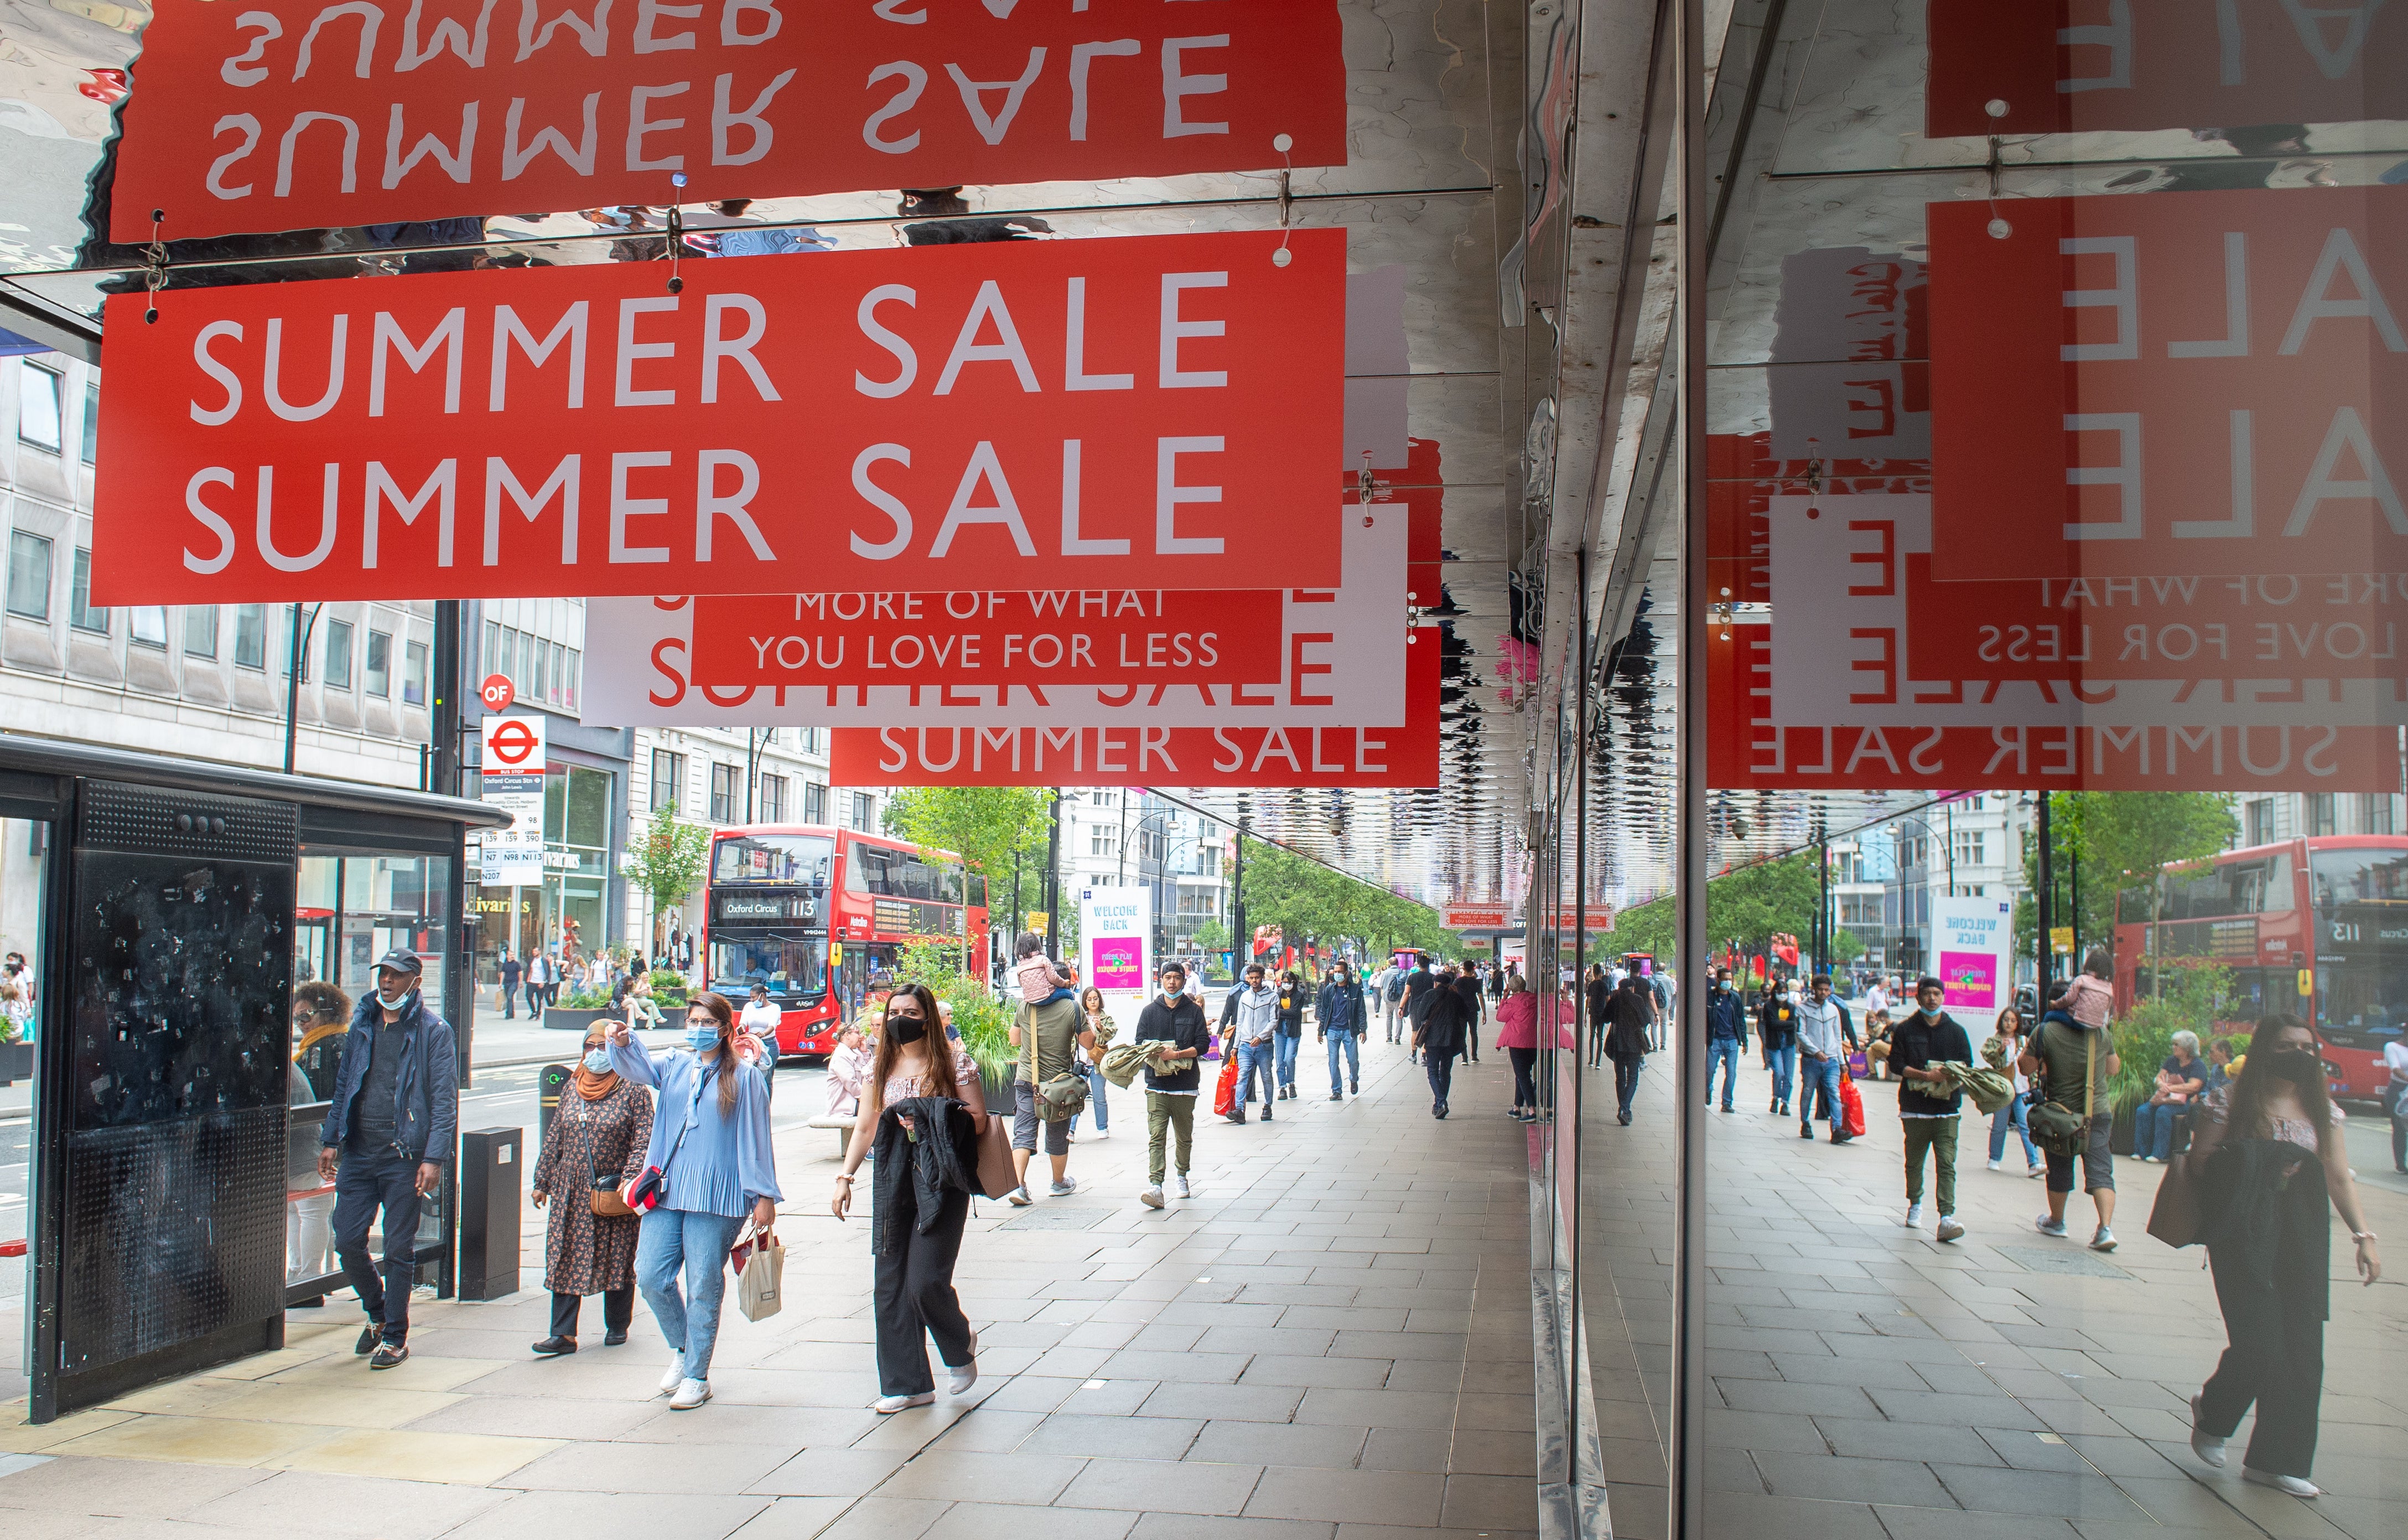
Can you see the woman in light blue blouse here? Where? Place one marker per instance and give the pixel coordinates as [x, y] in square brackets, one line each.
[711, 1138]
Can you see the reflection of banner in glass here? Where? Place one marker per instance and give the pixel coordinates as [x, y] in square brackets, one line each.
[1116, 932]
[1973, 938]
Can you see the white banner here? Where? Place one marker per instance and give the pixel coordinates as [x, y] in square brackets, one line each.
[1116, 946]
[1343, 655]
[514, 750]
[1973, 941]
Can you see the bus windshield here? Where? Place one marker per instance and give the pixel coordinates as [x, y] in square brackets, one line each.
[772, 858]
[791, 966]
[2371, 874]
[900, 874]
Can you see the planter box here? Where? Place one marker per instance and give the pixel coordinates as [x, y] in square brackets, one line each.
[16, 1061]
[562, 1019]
[997, 1086]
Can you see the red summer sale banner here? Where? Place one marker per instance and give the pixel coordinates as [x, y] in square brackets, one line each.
[1291, 756]
[296, 114]
[1125, 413]
[2194, 383]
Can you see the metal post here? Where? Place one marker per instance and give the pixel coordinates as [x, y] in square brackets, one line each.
[297, 647]
[1686, 1455]
[1240, 938]
[1823, 926]
[1053, 882]
[2046, 907]
[1569, 1182]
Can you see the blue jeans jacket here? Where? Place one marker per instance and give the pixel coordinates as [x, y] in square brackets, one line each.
[425, 1090]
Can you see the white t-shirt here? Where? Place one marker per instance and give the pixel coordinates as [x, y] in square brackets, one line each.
[2395, 1059]
[761, 1018]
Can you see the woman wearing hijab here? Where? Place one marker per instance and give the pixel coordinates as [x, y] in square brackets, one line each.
[710, 1139]
[596, 1147]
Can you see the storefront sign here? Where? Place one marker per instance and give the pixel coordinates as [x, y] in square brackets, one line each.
[1974, 941]
[1139, 753]
[513, 766]
[2068, 66]
[1026, 636]
[1476, 917]
[295, 114]
[1341, 659]
[2138, 387]
[1118, 413]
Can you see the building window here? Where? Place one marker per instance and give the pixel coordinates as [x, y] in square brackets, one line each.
[2374, 814]
[80, 613]
[148, 627]
[2320, 813]
[38, 406]
[251, 636]
[92, 422]
[2261, 821]
[201, 632]
[864, 812]
[1207, 860]
[814, 796]
[772, 796]
[413, 674]
[726, 792]
[1103, 839]
[29, 575]
[379, 665]
[669, 781]
[338, 654]
[1969, 845]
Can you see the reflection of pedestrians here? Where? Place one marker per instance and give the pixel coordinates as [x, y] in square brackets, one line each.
[1726, 1030]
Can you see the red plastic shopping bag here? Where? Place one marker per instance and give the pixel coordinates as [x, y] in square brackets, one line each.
[1225, 1091]
[1852, 1107]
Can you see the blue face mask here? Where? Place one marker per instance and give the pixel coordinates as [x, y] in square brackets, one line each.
[699, 1038]
[598, 1061]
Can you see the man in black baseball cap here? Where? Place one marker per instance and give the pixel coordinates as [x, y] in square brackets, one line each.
[394, 1115]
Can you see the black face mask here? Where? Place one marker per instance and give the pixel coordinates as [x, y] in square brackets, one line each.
[906, 1030]
[2296, 1066]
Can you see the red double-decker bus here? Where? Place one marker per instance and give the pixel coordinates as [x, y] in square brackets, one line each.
[2316, 927]
[815, 913]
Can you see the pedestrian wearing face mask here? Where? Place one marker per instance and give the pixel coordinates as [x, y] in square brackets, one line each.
[1927, 1106]
[387, 1136]
[710, 1139]
[1173, 1016]
[1340, 1010]
[596, 1147]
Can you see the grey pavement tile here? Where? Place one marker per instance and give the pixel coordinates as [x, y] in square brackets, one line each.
[826, 1473]
[1496, 1411]
[312, 1502]
[1488, 1502]
[1963, 1411]
[1068, 1432]
[1727, 1429]
[541, 1416]
[137, 1489]
[795, 1517]
[580, 1516]
[1246, 1401]
[2207, 1499]
[1864, 1439]
[1497, 1378]
[2048, 1493]
[1031, 1393]
[1144, 1486]
[1302, 1343]
[1378, 1408]
[1918, 1523]
[1421, 1449]
[1016, 1477]
[1440, 1375]
[1181, 1526]
[1842, 1478]
[1788, 1398]
[794, 1426]
[1345, 1317]
[1359, 1373]
[1289, 1444]
[1365, 1497]
[1482, 1451]
[1790, 1517]
[604, 1467]
[984, 1520]
[886, 1518]
[989, 1433]
[1174, 1367]
[1811, 1369]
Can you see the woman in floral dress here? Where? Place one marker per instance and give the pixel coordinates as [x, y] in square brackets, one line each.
[600, 1133]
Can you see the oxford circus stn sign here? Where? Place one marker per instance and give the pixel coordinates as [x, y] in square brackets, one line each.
[301, 114]
[1118, 413]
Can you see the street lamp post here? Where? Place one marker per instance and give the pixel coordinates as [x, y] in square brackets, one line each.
[1950, 854]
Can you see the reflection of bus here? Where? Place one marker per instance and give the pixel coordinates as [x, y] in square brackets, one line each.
[814, 913]
[2317, 927]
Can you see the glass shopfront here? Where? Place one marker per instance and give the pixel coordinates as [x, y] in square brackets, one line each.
[569, 909]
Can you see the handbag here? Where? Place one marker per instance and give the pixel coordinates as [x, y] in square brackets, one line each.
[760, 1264]
[996, 1173]
[1224, 1090]
[1062, 1097]
[602, 1193]
[2055, 1127]
[1852, 1107]
[2173, 1218]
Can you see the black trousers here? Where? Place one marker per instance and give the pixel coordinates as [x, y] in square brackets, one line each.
[364, 1184]
[2275, 1357]
[1525, 1090]
[1439, 1063]
[1626, 1083]
[618, 1310]
[914, 1298]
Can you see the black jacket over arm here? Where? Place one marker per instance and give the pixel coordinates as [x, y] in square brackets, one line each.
[942, 1160]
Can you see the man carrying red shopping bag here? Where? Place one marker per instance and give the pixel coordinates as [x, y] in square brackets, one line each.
[1822, 1066]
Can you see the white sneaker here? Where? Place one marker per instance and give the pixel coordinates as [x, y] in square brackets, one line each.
[1179, 1185]
[2210, 1449]
[1997, 1165]
[1102, 1134]
[676, 1377]
[966, 1375]
[2036, 1171]
[1064, 1188]
[1949, 1229]
[1152, 1196]
[1018, 1197]
[2103, 1239]
[2047, 1226]
[690, 1395]
[889, 1405]
[2291, 1483]
[1913, 1216]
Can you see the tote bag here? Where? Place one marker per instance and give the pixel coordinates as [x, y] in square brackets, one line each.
[760, 1264]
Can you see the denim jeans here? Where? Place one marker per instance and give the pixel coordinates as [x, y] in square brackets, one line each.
[1818, 1078]
[1725, 1052]
[1626, 1082]
[1439, 1067]
[365, 1182]
[1260, 1056]
[2013, 1116]
[1344, 1042]
[1783, 1062]
[1095, 1084]
[1287, 1047]
[2153, 1130]
[674, 1239]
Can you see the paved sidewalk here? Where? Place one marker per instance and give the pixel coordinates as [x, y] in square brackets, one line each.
[1331, 1342]
[1869, 1380]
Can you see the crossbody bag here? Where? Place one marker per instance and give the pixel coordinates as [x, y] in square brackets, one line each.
[2055, 1127]
[651, 1189]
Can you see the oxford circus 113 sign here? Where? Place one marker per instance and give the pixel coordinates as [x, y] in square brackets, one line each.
[1107, 413]
[299, 114]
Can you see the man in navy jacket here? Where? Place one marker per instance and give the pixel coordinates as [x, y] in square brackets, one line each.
[1339, 1008]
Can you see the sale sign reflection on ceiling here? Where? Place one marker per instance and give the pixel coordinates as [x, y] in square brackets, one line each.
[1131, 412]
[299, 114]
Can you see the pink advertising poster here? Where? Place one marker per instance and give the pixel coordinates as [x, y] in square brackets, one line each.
[1117, 962]
[1973, 938]
[1972, 980]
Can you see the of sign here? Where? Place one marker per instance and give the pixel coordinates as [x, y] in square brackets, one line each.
[497, 693]
[2079, 66]
[1028, 637]
[513, 759]
[1339, 650]
[1116, 413]
[1116, 939]
[1137, 753]
[296, 114]
[1973, 939]
[2142, 387]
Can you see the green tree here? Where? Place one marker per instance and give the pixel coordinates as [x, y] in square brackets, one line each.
[668, 861]
[2111, 841]
[1745, 907]
[1212, 936]
[984, 825]
[1311, 904]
